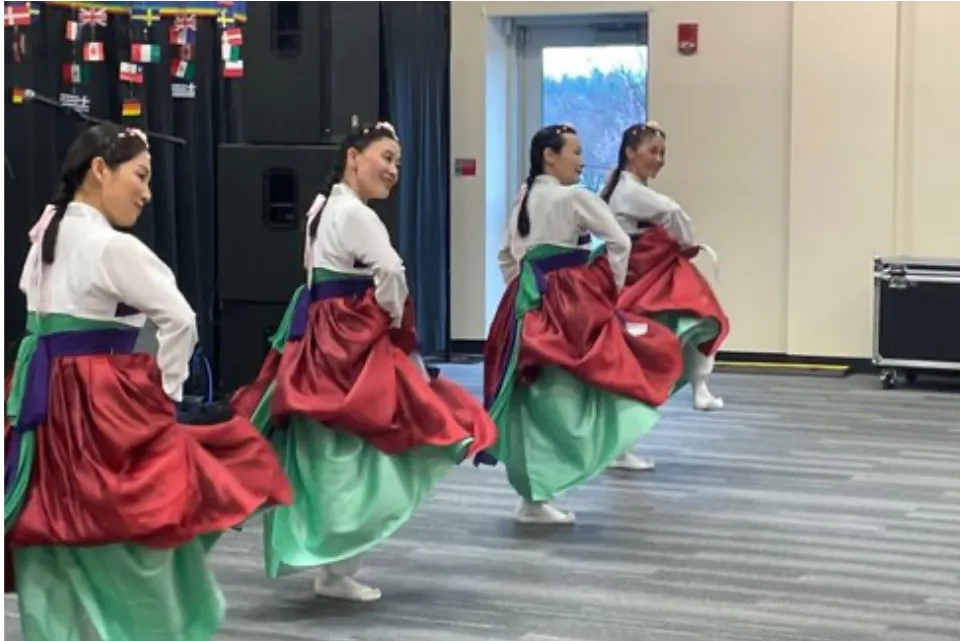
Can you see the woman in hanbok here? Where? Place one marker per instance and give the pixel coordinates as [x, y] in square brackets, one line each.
[570, 385]
[662, 281]
[363, 431]
[110, 502]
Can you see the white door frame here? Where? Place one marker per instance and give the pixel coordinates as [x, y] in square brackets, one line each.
[531, 41]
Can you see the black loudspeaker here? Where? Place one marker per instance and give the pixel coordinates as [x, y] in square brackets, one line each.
[308, 68]
[263, 193]
[245, 331]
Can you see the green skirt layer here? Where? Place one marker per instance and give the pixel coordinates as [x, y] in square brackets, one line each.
[558, 431]
[119, 592]
[348, 495]
[691, 331]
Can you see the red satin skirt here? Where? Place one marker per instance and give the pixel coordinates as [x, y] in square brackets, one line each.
[113, 465]
[577, 328]
[661, 279]
[351, 372]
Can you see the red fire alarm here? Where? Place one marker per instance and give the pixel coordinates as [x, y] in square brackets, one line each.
[465, 167]
[688, 38]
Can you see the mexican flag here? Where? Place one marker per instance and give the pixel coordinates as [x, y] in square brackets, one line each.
[73, 74]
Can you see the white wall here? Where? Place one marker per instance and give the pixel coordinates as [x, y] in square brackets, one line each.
[804, 138]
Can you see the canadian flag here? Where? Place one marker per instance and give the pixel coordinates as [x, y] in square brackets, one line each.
[93, 52]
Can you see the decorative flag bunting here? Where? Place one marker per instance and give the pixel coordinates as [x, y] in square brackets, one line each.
[231, 53]
[132, 73]
[233, 69]
[142, 17]
[182, 70]
[231, 37]
[183, 36]
[144, 14]
[131, 108]
[18, 45]
[142, 52]
[93, 51]
[186, 24]
[83, 21]
[162, 8]
[18, 15]
[75, 102]
[93, 18]
[186, 91]
[180, 19]
[73, 74]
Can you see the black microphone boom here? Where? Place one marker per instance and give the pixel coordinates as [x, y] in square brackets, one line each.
[29, 95]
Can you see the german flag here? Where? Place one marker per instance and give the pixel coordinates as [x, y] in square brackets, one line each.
[131, 108]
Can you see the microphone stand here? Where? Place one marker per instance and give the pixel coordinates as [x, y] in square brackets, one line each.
[30, 95]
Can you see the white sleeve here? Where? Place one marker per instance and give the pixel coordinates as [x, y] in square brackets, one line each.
[137, 277]
[365, 236]
[509, 267]
[29, 273]
[594, 215]
[645, 204]
[676, 222]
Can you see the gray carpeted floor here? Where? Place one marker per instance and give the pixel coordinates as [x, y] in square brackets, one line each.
[810, 509]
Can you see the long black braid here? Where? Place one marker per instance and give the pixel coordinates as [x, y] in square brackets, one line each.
[550, 137]
[115, 144]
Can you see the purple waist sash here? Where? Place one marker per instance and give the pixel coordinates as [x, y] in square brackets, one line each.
[33, 405]
[541, 267]
[547, 264]
[325, 290]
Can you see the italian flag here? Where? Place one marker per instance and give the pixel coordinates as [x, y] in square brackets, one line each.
[144, 53]
[233, 69]
[230, 52]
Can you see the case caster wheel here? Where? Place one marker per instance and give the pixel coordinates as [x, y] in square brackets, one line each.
[889, 379]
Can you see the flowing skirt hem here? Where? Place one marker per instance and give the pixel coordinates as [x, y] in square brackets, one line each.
[558, 432]
[348, 495]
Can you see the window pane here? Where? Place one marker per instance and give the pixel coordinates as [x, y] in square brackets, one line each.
[600, 90]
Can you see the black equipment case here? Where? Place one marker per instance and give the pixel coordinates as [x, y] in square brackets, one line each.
[916, 323]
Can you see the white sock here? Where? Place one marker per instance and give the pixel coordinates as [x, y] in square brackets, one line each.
[334, 586]
[703, 400]
[699, 368]
[629, 461]
[542, 514]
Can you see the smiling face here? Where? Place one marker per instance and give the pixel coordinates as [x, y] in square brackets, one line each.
[648, 157]
[376, 167]
[566, 165]
[124, 190]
